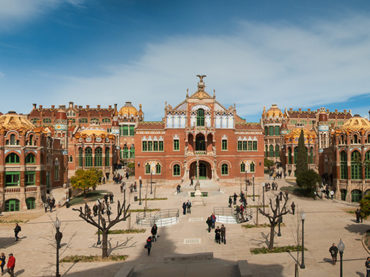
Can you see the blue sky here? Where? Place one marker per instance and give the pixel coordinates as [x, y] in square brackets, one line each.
[293, 53]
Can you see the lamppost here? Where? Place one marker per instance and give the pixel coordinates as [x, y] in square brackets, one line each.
[341, 250]
[280, 221]
[263, 196]
[58, 238]
[99, 214]
[140, 185]
[253, 187]
[303, 217]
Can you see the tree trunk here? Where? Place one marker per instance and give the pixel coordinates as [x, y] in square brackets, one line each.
[105, 244]
[84, 193]
[272, 235]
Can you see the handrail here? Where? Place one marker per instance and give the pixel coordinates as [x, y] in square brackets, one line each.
[154, 217]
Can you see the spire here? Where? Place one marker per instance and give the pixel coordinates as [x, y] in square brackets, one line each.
[187, 93]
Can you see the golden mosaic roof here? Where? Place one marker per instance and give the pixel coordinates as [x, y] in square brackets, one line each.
[13, 121]
[274, 111]
[128, 110]
[94, 130]
[356, 123]
[294, 134]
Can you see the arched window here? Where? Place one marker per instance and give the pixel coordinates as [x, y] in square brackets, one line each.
[266, 131]
[12, 205]
[271, 154]
[289, 155]
[224, 169]
[30, 202]
[12, 158]
[80, 157]
[88, 157]
[30, 159]
[107, 156]
[30, 141]
[356, 195]
[277, 130]
[356, 165]
[132, 152]
[200, 117]
[271, 130]
[295, 154]
[367, 165]
[254, 145]
[277, 151]
[355, 139]
[125, 152]
[252, 167]
[266, 151]
[147, 169]
[200, 143]
[343, 165]
[176, 170]
[13, 141]
[158, 168]
[311, 155]
[98, 156]
[242, 167]
[144, 146]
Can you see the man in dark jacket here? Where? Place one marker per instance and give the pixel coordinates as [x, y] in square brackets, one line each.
[333, 252]
[148, 245]
[235, 196]
[293, 207]
[223, 234]
[230, 201]
[17, 229]
[184, 208]
[154, 232]
[209, 223]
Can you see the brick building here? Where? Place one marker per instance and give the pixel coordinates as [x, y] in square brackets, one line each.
[31, 163]
[198, 131]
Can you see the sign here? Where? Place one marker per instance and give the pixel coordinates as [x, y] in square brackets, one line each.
[323, 128]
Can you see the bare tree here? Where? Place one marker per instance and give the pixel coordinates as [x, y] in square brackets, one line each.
[277, 213]
[105, 223]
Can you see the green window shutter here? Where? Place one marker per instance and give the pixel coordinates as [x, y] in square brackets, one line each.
[12, 178]
[245, 145]
[132, 130]
[249, 145]
[160, 145]
[125, 130]
[30, 178]
[242, 167]
[158, 169]
[107, 156]
[145, 146]
[224, 144]
[255, 145]
[150, 146]
[147, 168]
[200, 117]
[176, 145]
[224, 169]
[155, 146]
[252, 167]
[176, 170]
[132, 152]
[240, 145]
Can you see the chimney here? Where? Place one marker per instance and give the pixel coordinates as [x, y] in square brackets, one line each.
[40, 107]
[345, 111]
[34, 106]
[98, 106]
[336, 110]
[300, 109]
[71, 105]
[115, 106]
[53, 106]
[87, 106]
[309, 110]
[110, 106]
[318, 110]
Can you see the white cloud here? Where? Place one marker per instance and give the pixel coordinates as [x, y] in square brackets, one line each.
[18, 11]
[255, 65]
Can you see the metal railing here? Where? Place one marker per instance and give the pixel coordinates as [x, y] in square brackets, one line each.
[225, 211]
[161, 218]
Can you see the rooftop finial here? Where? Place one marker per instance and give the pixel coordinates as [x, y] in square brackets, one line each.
[201, 84]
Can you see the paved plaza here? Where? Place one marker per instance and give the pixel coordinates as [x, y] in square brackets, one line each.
[326, 222]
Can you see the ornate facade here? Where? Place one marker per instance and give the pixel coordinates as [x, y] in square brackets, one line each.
[31, 163]
[199, 133]
[349, 156]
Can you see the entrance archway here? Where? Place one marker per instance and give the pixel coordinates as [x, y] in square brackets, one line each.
[205, 170]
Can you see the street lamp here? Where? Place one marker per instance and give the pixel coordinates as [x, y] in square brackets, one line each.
[253, 187]
[99, 214]
[280, 221]
[303, 217]
[58, 238]
[140, 185]
[263, 196]
[341, 250]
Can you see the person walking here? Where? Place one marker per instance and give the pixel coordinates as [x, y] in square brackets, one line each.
[230, 201]
[217, 235]
[367, 264]
[223, 234]
[235, 196]
[111, 198]
[95, 210]
[46, 206]
[148, 244]
[209, 223]
[357, 212]
[333, 252]
[213, 217]
[11, 265]
[293, 207]
[184, 208]
[188, 207]
[331, 194]
[17, 229]
[154, 232]
[2, 262]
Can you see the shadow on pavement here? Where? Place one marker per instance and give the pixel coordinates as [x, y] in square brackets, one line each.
[357, 228]
[6, 242]
[154, 265]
